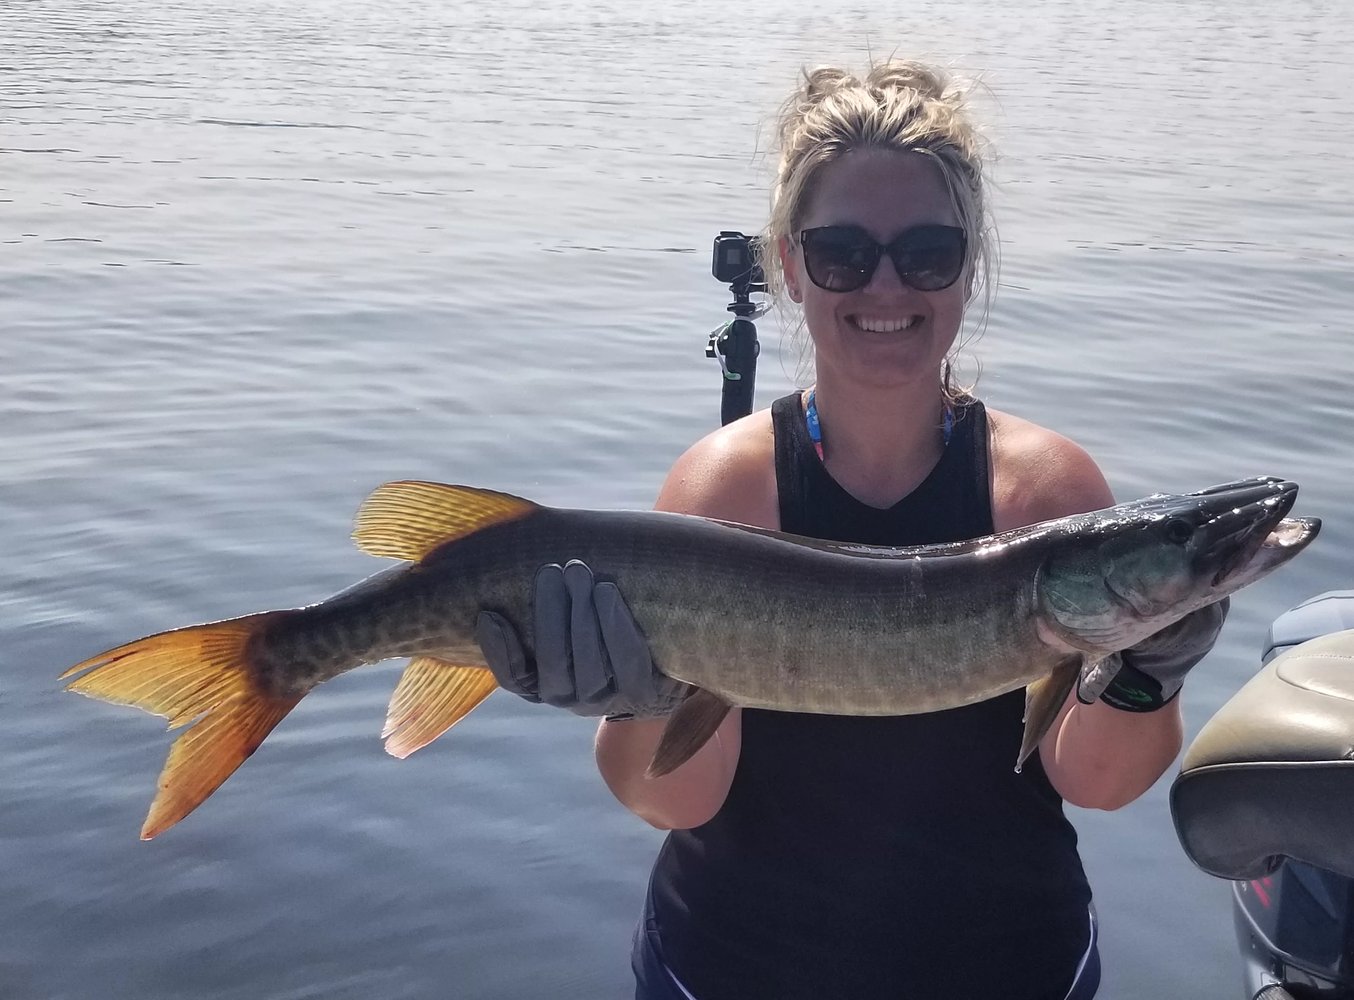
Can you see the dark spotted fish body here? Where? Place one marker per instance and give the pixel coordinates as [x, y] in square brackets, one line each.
[747, 616]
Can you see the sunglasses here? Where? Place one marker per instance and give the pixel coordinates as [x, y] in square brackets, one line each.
[844, 258]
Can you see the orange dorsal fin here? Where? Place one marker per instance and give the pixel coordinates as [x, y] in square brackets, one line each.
[432, 696]
[408, 519]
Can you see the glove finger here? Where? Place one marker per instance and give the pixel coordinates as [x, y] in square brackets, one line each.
[551, 609]
[592, 671]
[504, 654]
[631, 659]
[1093, 684]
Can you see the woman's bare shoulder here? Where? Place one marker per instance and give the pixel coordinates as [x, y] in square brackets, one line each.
[729, 474]
[1039, 474]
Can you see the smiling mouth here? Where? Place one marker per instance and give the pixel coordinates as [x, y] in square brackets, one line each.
[881, 324]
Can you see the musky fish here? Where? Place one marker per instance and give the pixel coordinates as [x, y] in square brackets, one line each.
[747, 616]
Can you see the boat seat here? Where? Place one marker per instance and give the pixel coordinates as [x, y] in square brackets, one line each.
[1271, 775]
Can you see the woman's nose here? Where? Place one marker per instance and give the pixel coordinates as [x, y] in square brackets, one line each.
[885, 277]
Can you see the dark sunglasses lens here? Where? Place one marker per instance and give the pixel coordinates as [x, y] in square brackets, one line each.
[839, 260]
[929, 258]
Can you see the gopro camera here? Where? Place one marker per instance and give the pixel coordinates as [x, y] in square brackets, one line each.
[737, 259]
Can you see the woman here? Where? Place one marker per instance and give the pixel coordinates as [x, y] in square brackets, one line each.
[823, 856]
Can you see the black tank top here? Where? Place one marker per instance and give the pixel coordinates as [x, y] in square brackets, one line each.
[880, 858]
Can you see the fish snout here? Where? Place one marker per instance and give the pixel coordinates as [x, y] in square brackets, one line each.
[1242, 519]
[1255, 484]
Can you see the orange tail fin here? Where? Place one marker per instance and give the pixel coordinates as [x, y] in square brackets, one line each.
[190, 675]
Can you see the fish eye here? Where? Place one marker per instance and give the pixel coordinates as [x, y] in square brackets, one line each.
[1179, 531]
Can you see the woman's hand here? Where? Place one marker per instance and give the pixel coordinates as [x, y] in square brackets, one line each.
[1154, 670]
[591, 657]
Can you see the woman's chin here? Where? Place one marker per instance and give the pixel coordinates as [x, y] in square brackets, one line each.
[878, 362]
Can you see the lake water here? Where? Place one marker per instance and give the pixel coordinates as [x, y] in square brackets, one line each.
[258, 257]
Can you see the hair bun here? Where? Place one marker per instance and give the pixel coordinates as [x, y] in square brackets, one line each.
[931, 84]
[823, 81]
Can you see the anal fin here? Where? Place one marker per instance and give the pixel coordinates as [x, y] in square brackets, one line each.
[431, 697]
[688, 729]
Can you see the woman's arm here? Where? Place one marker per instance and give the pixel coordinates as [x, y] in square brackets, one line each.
[686, 798]
[1099, 757]
[729, 475]
[1096, 757]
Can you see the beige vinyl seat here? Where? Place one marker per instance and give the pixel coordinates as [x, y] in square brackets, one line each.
[1271, 775]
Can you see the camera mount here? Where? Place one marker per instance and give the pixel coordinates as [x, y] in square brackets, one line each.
[737, 263]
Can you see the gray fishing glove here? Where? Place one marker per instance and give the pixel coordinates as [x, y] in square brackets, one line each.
[1155, 668]
[591, 656]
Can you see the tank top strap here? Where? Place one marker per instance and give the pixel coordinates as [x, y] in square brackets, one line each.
[795, 458]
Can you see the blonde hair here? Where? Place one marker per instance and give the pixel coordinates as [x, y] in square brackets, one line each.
[900, 105]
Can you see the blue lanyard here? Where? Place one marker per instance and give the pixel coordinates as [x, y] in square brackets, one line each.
[816, 427]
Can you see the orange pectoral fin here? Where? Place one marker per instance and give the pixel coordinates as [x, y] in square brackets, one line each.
[432, 696]
[1044, 699]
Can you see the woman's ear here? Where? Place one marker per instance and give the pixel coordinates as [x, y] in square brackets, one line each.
[788, 269]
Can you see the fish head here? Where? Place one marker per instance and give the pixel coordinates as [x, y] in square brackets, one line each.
[1116, 576]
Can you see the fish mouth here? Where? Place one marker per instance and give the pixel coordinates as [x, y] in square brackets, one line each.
[1289, 537]
[1245, 531]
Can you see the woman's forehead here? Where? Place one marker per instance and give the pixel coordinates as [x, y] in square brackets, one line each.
[883, 191]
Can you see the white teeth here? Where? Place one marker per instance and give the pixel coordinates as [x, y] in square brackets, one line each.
[873, 324]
